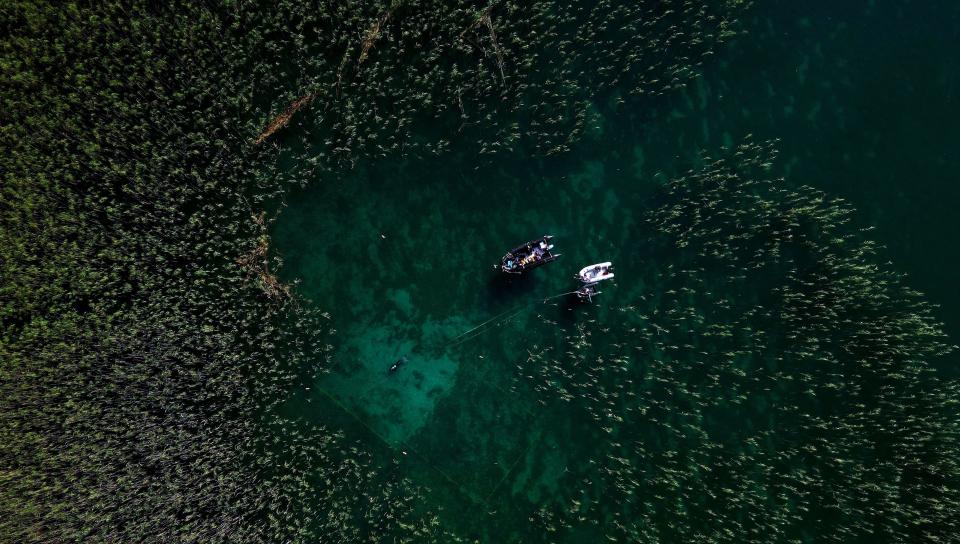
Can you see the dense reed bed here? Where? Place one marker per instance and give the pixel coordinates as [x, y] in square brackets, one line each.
[149, 351]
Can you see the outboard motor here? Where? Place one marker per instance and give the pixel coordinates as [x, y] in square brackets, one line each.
[590, 276]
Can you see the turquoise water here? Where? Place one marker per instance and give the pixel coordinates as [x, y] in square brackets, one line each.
[695, 398]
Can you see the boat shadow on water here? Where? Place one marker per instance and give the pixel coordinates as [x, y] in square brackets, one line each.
[502, 288]
[566, 311]
[570, 310]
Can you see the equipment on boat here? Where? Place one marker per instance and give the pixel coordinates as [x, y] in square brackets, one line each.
[587, 292]
[527, 256]
[596, 272]
[590, 276]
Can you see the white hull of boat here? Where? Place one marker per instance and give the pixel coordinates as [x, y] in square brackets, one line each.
[596, 272]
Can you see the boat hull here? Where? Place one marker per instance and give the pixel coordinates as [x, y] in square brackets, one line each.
[528, 256]
[596, 273]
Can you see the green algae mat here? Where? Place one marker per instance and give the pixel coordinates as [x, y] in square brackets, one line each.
[223, 223]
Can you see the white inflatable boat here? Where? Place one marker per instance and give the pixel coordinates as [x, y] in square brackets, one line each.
[596, 273]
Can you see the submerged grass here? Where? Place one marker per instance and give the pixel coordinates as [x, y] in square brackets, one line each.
[763, 376]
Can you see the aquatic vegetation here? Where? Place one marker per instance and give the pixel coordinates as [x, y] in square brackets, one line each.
[147, 346]
[774, 384]
[411, 77]
[766, 379]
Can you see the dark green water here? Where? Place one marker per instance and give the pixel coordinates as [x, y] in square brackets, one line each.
[527, 432]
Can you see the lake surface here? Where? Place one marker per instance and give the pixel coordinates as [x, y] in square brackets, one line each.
[512, 429]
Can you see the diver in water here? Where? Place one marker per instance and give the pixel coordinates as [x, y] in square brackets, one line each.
[396, 365]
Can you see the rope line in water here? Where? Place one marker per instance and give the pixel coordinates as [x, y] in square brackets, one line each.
[457, 340]
[462, 339]
[516, 462]
[487, 321]
[453, 342]
[395, 449]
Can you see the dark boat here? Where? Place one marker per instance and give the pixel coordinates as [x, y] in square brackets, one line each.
[528, 256]
[587, 292]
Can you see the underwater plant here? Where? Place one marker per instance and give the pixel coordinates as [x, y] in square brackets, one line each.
[778, 386]
[147, 346]
[774, 382]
